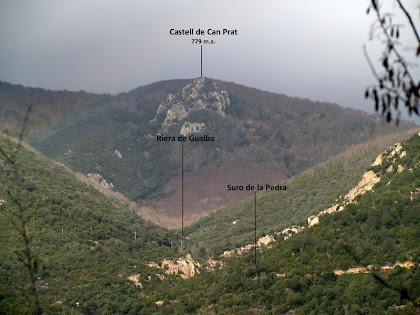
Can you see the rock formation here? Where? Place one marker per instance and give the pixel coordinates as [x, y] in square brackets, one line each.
[97, 178]
[367, 182]
[186, 267]
[198, 95]
[136, 280]
[118, 154]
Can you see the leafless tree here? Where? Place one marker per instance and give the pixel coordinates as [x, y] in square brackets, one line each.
[397, 85]
[20, 217]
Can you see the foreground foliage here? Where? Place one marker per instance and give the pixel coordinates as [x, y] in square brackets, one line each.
[86, 248]
[85, 244]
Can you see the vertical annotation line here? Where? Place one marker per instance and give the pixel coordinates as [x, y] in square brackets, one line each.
[182, 188]
[255, 228]
[201, 60]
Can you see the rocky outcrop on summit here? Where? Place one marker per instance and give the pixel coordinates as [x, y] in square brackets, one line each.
[198, 95]
[191, 128]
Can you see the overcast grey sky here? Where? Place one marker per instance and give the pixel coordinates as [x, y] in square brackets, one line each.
[304, 48]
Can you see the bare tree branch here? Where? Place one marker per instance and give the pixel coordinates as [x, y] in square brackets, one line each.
[413, 27]
[396, 84]
[372, 68]
[28, 259]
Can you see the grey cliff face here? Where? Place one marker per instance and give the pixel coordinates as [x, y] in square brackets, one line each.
[196, 96]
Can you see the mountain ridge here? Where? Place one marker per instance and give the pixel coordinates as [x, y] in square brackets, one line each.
[98, 257]
[111, 137]
[364, 259]
[307, 194]
[82, 240]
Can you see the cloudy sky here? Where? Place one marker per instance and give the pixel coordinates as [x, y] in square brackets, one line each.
[304, 48]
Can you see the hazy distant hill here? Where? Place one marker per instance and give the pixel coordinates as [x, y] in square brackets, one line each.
[51, 109]
[258, 137]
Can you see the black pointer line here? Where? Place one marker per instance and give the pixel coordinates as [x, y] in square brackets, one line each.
[182, 188]
[255, 228]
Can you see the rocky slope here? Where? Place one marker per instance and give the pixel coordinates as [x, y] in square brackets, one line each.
[187, 267]
[309, 194]
[368, 181]
[362, 259]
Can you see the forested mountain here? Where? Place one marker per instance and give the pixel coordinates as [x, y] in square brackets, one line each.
[86, 246]
[96, 257]
[306, 194]
[258, 137]
[362, 259]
